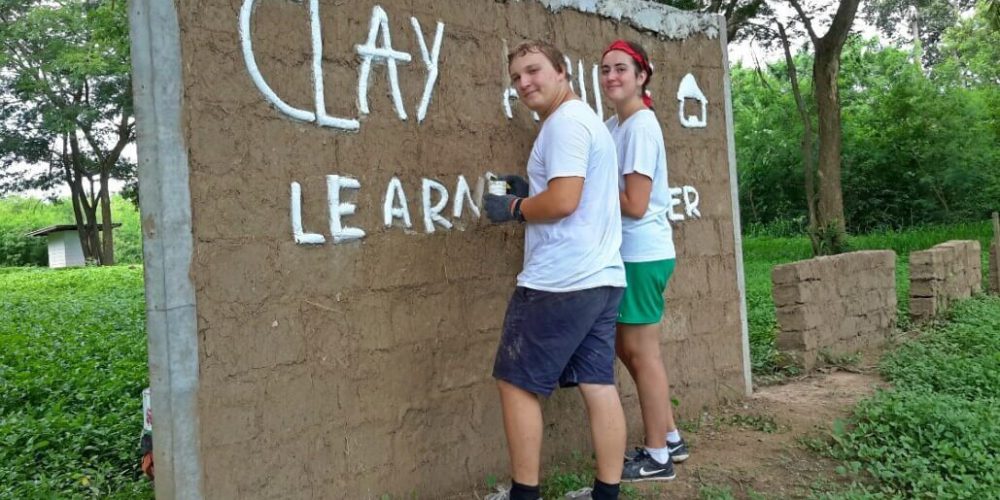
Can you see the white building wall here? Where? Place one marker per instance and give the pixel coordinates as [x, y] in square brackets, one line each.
[65, 250]
[57, 251]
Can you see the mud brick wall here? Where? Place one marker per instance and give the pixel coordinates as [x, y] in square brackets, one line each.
[942, 274]
[994, 268]
[839, 304]
[344, 349]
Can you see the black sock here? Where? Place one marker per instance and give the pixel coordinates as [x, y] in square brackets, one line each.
[520, 491]
[605, 491]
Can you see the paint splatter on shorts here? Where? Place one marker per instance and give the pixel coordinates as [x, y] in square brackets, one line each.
[559, 339]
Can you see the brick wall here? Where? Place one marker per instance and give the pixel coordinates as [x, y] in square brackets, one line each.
[838, 304]
[942, 274]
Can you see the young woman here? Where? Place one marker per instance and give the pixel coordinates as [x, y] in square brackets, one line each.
[648, 251]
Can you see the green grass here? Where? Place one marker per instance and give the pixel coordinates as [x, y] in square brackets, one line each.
[572, 474]
[72, 367]
[934, 434]
[762, 253]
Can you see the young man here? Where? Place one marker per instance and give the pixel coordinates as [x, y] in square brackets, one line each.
[560, 324]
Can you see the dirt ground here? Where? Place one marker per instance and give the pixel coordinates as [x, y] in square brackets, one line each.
[755, 448]
[758, 448]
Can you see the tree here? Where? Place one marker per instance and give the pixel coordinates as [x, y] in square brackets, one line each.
[65, 103]
[830, 222]
[993, 13]
[970, 50]
[808, 159]
[929, 17]
[738, 12]
[919, 147]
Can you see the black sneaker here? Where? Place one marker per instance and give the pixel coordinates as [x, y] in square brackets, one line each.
[645, 468]
[678, 451]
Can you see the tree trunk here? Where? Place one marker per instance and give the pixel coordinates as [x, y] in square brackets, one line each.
[75, 189]
[808, 164]
[108, 253]
[94, 235]
[830, 206]
[831, 200]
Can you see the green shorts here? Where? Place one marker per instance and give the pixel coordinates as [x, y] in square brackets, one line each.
[642, 303]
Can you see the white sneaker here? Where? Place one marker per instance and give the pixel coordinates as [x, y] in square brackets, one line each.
[501, 494]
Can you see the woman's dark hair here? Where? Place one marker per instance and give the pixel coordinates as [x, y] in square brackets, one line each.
[645, 57]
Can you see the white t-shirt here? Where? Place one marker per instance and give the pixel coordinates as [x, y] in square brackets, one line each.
[639, 142]
[579, 251]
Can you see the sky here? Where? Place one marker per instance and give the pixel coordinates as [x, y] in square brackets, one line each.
[745, 51]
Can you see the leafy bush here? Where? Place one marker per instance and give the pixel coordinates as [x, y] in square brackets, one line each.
[19, 216]
[934, 434]
[72, 368]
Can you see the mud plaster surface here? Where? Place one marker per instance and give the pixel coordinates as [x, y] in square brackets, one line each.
[365, 368]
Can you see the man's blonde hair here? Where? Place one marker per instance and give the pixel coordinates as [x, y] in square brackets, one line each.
[554, 55]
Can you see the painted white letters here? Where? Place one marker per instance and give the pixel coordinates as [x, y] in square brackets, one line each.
[430, 61]
[341, 234]
[434, 197]
[691, 200]
[598, 106]
[687, 195]
[674, 201]
[432, 213]
[389, 211]
[301, 237]
[246, 13]
[370, 53]
[320, 116]
[463, 194]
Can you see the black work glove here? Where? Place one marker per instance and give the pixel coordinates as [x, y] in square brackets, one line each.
[503, 208]
[518, 185]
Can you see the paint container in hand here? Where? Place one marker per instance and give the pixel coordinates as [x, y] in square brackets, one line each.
[497, 186]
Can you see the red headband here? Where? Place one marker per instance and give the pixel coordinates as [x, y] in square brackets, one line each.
[644, 65]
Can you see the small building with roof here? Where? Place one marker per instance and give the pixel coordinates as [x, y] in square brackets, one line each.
[65, 249]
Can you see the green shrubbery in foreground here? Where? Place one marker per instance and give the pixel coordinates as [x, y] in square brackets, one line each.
[72, 368]
[935, 433]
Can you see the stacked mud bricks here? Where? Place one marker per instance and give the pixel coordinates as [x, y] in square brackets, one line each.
[834, 305]
[942, 274]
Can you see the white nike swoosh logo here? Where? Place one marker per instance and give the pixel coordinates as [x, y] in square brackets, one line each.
[643, 472]
[675, 448]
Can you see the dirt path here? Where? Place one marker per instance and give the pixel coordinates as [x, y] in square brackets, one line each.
[756, 446]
